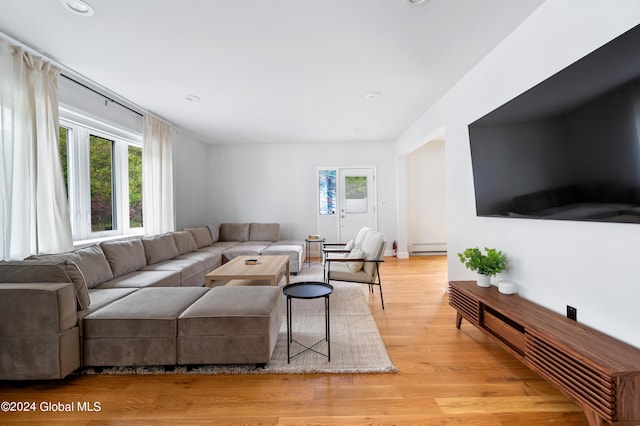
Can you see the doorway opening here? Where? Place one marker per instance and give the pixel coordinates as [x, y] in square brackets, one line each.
[426, 200]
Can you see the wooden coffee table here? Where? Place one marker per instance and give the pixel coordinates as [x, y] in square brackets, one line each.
[268, 270]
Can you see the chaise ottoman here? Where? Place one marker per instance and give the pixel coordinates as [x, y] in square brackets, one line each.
[139, 329]
[231, 325]
[293, 249]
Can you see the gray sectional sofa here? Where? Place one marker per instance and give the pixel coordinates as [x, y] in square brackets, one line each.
[138, 302]
[251, 239]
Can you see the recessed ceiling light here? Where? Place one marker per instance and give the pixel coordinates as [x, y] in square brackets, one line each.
[415, 3]
[192, 98]
[79, 7]
[372, 95]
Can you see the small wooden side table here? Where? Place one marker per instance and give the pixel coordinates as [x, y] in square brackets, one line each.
[308, 243]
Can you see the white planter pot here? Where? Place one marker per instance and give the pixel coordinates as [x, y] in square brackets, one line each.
[483, 280]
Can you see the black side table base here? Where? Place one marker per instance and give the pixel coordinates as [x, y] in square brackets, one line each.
[310, 348]
[308, 290]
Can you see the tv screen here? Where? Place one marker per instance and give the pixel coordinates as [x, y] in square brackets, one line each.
[568, 148]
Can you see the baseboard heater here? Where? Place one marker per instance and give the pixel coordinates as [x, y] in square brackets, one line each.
[417, 248]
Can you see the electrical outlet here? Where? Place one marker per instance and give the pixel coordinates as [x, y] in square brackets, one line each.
[572, 313]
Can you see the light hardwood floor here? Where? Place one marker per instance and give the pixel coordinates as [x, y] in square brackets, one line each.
[446, 377]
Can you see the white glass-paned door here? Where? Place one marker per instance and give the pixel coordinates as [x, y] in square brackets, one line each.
[357, 201]
[346, 202]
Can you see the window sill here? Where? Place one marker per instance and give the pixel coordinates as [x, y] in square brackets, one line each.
[91, 241]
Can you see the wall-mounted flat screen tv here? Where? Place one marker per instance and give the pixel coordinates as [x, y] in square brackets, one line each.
[568, 148]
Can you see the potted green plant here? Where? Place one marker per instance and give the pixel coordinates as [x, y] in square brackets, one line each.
[485, 265]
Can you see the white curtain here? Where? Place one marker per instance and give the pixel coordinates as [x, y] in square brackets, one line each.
[34, 212]
[157, 177]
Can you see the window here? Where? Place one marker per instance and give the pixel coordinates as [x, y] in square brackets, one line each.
[102, 167]
[327, 192]
[101, 186]
[135, 186]
[355, 194]
[64, 157]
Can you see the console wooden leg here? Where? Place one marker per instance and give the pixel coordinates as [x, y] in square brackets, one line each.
[593, 418]
[458, 320]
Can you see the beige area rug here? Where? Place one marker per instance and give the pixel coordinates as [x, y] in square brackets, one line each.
[356, 344]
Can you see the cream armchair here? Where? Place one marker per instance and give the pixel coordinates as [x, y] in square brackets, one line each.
[360, 265]
[342, 249]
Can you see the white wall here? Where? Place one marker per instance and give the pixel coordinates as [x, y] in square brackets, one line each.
[426, 198]
[277, 183]
[592, 266]
[191, 179]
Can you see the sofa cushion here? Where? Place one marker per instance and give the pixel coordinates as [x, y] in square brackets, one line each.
[159, 248]
[141, 279]
[91, 262]
[79, 284]
[185, 243]
[234, 232]
[124, 256]
[102, 297]
[48, 271]
[264, 232]
[293, 249]
[33, 271]
[221, 246]
[202, 236]
[187, 268]
[37, 308]
[249, 248]
[210, 259]
[149, 312]
[214, 229]
[230, 311]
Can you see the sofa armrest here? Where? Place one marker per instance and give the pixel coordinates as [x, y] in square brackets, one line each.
[36, 308]
[39, 336]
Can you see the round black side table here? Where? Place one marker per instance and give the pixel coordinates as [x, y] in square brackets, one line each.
[308, 290]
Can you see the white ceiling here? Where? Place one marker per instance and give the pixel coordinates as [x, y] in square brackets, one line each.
[272, 71]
